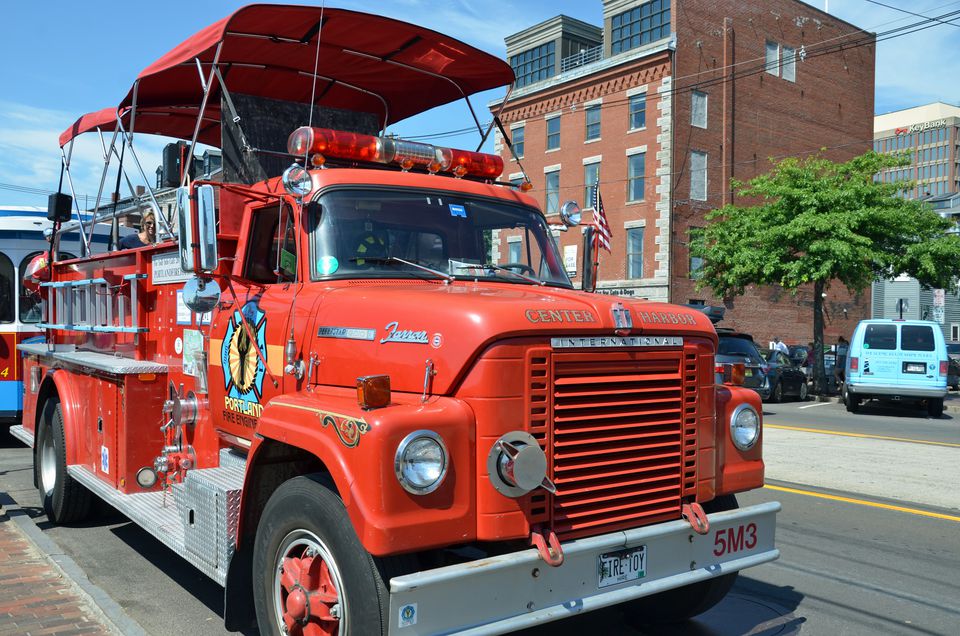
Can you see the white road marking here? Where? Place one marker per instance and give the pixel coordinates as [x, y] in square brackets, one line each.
[810, 406]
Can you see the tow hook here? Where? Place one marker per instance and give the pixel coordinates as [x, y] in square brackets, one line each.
[552, 554]
[696, 517]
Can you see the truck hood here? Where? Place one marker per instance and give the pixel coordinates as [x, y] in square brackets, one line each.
[387, 327]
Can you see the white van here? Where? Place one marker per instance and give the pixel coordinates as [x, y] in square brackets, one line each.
[897, 360]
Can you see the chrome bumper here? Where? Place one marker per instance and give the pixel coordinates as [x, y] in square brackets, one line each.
[513, 591]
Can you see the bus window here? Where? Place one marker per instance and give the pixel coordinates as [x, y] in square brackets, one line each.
[6, 289]
[30, 312]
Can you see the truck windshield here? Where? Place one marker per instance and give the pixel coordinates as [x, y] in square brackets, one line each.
[370, 233]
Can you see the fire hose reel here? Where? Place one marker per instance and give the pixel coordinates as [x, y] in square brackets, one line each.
[517, 465]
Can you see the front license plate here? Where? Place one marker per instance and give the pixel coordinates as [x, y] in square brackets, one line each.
[622, 566]
[915, 367]
[748, 373]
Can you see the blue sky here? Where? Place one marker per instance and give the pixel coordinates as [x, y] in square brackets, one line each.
[63, 58]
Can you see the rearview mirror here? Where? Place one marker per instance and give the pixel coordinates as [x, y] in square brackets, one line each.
[185, 229]
[207, 228]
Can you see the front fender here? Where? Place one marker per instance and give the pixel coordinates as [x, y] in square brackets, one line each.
[737, 470]
[358, 449]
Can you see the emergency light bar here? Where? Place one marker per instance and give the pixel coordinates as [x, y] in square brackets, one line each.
[322, 143]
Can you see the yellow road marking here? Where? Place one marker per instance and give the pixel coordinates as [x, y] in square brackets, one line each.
[845, 434]
[861, 502]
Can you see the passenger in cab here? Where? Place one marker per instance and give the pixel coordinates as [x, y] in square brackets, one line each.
[146, 236]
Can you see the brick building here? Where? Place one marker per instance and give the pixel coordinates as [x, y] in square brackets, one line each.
[667, 102]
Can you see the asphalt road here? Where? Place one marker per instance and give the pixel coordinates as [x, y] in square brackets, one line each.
[861, 553]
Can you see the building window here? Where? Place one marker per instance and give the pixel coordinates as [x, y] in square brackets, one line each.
[591, 173]
[513, 252]
[635, 252]
[698, 175]
[789, 64]
[638, 111]
[773, 58]
[534, 65]
[698, 109]
[696, 262]
[553, 133]
[518, 135]
[641, 25]
[553, 191]
[592, 116]
[954, 331]
[635, 174]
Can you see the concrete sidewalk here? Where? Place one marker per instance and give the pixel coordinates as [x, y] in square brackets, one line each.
[43, 592]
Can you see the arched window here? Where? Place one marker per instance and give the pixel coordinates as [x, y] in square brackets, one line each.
[30, 312]
[6, 289]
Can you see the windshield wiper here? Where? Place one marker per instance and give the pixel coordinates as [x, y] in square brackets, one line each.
[394, 259]
[493, 266]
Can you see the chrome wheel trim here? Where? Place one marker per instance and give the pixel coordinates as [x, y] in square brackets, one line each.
[803, 391]
[298, 542]
[47, 456]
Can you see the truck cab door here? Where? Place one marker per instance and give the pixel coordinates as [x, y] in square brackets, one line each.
[261, 298]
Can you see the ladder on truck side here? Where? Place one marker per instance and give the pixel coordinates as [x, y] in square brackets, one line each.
[92, 305]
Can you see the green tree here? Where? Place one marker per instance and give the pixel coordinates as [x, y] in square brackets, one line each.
[814, 221]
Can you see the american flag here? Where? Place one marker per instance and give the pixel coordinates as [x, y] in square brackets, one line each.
[600, 219]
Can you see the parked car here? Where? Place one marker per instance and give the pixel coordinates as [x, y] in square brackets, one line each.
[739, 347]
[902, 360]
[784, 376]
[953, 368]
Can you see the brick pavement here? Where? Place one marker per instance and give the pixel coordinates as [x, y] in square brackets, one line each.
[36, 598]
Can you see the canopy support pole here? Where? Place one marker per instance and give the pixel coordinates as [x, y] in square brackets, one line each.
[493, 122]
[103, 175]
[196, 129]
[153, 200]
[66, 157]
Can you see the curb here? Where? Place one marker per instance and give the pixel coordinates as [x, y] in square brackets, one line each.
[112, 614]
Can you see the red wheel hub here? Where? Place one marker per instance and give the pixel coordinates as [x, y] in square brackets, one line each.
[308, 596]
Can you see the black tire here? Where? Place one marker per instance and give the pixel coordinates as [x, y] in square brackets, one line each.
[304, 515]
[776, 393]
[64, 499]
[935, 407]
[853, 403]
[683, 603]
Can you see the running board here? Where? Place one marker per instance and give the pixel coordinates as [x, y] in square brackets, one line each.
[22, 434]
[196, 519]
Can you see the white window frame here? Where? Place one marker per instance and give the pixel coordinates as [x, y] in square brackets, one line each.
[954, 331]
[627, 253]
[788, 64]
[696, 193]
[700, 122]
[547, 172]
[772, 64]
[546, 131]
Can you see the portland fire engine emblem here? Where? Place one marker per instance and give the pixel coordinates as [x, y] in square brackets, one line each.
[243, 371]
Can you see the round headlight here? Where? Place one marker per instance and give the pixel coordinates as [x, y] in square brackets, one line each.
[297, 181]
[421, 462]
[744, 427]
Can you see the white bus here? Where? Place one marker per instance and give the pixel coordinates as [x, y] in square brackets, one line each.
[21, 239]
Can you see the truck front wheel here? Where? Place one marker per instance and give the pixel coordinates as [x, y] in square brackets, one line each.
[311, 573]
[64, 500]
[678, 605]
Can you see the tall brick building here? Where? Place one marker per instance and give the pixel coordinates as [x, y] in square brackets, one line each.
[669, 101]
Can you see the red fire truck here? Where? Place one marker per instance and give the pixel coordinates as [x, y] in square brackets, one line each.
[330, 393]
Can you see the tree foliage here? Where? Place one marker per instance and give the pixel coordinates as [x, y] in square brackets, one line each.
[815, 221]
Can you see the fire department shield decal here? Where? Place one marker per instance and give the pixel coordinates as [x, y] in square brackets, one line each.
[243, 371]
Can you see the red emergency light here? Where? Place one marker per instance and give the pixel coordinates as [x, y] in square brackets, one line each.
[350, 146]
